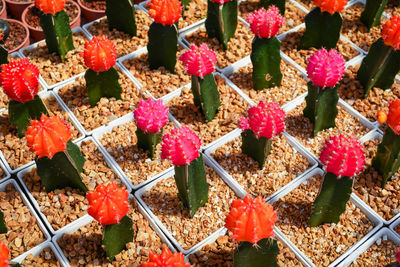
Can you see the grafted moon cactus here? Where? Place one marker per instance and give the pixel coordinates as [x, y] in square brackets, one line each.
[167, 258]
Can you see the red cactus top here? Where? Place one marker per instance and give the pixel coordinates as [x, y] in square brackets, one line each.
[331, 6]
[266, 23]
[50, 6]
[166, 259]
[221, 2]
[108, 204]
[20, 80]
[199, 60]
[265, 120]
[165, 12]
[251, 220]
[391, 32]
[151, 115]
[343, 156]
[181, 146]
[47, 136]
[393, 118]
[99, 54]
[4, 255]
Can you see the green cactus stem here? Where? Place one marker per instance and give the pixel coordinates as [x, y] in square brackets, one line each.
[21, 114]
[121, 16]
[281, 4]
[322, 30]
[102, 84]
[379, 67]
[263, 253]
[116, 236]
[206, 95]
[58, 33]
[148, 141]
[3, 227]
[63, 170]
[321, 107]
[221, 22]
[331, 200]
[371, 16]
[3, 55]
[256, 148]
[162, 46]
[387, 159]
[192, 185]
[266, 60]
[5, 32]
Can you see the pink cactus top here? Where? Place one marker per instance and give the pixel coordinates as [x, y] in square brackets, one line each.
[221, 2]
[266, 23]
[199, 60]
[151, 115]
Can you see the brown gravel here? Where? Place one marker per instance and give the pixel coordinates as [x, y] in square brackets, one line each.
[378, 255]
[309, 4]
[84, 248]
[45, 259]
[134, 161]
[14, 148]
[345, 124]
[220, 254]
[17, 36]
[238, 47]
[51, 68]
[232, 108]
[392, 8]
[164, 202]
[63, 206]
[283, 164]
[292, 85]
[124, 43]
[194, 12]
[322, 244]
[106, 110]
[23, 231]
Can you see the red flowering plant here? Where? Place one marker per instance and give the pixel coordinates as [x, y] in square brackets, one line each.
[166, 259]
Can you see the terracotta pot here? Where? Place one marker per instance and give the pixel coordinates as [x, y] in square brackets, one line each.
[16, 8]
[26, 39]
[3, 11]
[89, 13]
[37, 34]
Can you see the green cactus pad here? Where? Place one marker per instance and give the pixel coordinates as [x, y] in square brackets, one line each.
[221, 22]
[256, 148]
[192, 185]
[322, 30]
[21, 114]
[206, 95]
[262, 254]
[162, 46]
[102, 84]
[121, 16]
[379, 67]
[63, 170]
[3, 227]
[387, 159]
[321, 107]
[371, 16]
[3, 55]
[148, 141]
[281, 4]
[116, 236]
[58, 33]
[266, 59]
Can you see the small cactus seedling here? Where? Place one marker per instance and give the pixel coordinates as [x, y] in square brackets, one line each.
[59, 162]
[167, 258]
[265, 54]
[380, 66]
[222, 19]
[108, 204]
[325, 70]
[150, 116]
[323, 24]
[371, 16]
[278, 3]
[387, 159]
[252, 221]
[55, 24]
[343, 157]
[265, 121]
[4, 33]
[121, 16]
[199, 62]
[20, 82]
[181, 147]
[163, 34]
[101, 78]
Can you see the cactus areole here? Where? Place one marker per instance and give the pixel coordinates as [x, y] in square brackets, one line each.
[167, 258]
[121, 16]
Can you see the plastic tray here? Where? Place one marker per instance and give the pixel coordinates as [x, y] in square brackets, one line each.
[38, 249]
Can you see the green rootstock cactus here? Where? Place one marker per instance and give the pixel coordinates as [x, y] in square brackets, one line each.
[4, 33]
[261, 254]
[121, 16]
[3, 227]
[281, 4]
[371, 16]
[343, 158]
[222, 19]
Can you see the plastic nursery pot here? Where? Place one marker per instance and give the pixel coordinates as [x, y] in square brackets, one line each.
[3, 11]
[91, 14]
[37, 32]
[16, 8]
[25, 41]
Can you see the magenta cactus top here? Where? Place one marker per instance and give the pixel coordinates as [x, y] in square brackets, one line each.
[221, 2]
[266, 23]
[151, 116]
[199, 60]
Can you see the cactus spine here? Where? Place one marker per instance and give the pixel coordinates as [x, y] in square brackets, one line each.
[121, 16]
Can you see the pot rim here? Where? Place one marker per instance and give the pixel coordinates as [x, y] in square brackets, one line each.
[90, 9]
[26, 35]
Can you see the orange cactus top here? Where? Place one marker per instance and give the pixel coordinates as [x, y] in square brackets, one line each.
[393, 118]
[391, 32]
[99, 54]
[251, 219]
[50, 6]
[166, 259]
[165, 12]
[47, 136]
[331, 6]
[3, 255]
